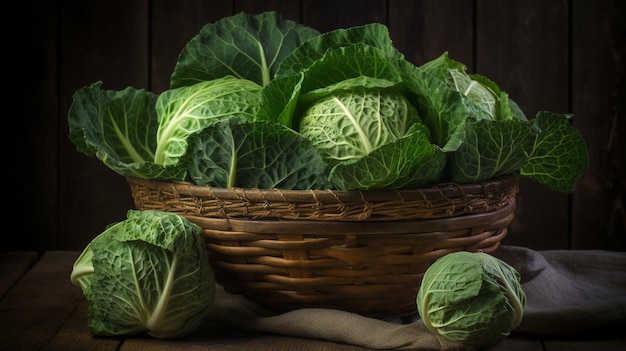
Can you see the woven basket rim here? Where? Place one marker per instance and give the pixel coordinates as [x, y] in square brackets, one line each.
[332, 228]
[443, 200]
[443, 189]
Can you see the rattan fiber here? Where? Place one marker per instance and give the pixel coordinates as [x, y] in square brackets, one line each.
[358, 251]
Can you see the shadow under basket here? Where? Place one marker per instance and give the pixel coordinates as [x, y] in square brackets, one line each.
[358, 251]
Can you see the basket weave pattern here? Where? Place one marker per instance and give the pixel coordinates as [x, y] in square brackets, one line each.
[358, 251]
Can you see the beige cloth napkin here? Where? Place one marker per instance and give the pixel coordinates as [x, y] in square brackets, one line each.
[567, 292]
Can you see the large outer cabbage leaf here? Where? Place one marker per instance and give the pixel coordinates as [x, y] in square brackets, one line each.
[472, 298]
[149, 273]
[546, 149]
[304, 56]
[187, 110]
[409, 162]
[558, 156]
[119, 128]
[239, 153]
[490, 149]
[246, 46]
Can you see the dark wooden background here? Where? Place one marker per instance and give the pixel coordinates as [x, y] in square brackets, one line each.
[556, 55]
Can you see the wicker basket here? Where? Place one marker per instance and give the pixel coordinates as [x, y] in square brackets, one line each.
[358, 251]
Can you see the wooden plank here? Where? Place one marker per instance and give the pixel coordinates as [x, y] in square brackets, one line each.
[174, 24]
[599, 106]
[514, 50]
[326, 15]
[13, 265]
[75, 335]
[32, 114]
[287, 9]
[617, 344]
[101, 41]
[40, 303]
[213, 336]
[516, 343]
[423, 30]
[55, 318]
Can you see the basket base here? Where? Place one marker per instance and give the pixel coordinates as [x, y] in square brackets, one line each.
[352, 288]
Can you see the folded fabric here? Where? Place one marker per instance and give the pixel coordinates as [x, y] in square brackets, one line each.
[567, 291]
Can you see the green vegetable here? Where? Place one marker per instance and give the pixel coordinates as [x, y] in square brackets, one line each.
[350, 124]
[354, 103]
[490, 149]
[247, 46]
[188, 110]
[472, 298]
[487, 135]
[148, 273]
[559, 155]
[410, 162]
[119, 128]
[235, 152]
[365, 116]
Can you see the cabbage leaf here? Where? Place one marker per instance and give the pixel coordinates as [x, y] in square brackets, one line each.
[490, 149]
[237, 152]
[119, 128]
[304, 56]
[187, 110]
[558, 156]
[246, 46]
[409, 162]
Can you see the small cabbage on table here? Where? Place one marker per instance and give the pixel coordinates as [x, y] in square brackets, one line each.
[472, 298]
[146, 274]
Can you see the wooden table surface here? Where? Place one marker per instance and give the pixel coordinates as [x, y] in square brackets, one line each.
[41, 310]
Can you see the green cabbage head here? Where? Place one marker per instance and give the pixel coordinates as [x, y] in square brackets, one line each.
[472, 298]
[349, 125]
[148, 273]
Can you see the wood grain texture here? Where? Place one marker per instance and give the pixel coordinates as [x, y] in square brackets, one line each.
[42, 310]
[39, 303]
[599, 107]
[523, 46]
[13, 265]
[101, 41]
[326, 15]
[423, 30]
[173, 25]
[291, 10]
[32, 121]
